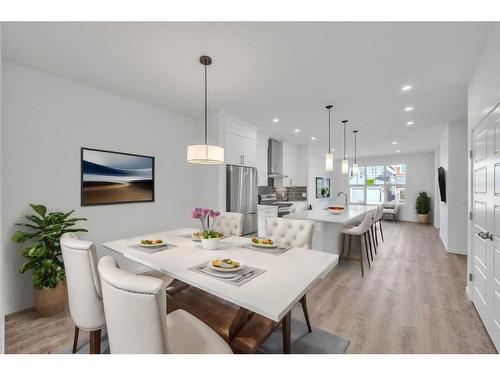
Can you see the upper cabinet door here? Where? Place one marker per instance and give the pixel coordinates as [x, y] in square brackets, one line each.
[240, 150]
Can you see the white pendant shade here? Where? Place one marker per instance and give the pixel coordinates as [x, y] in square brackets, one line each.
[345, 166]
[329, 162]
[355, 169]
[205, 154]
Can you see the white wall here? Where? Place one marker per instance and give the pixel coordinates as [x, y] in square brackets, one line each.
[437, 200]
[483, 95]
[46, 120]
[420, 177]
[456, 187]
[2, 279]
[443, 206]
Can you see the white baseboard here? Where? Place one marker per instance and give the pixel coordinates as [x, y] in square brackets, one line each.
[459, 252]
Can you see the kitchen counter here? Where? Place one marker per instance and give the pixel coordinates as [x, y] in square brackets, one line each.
[327, 235]
[352, 211]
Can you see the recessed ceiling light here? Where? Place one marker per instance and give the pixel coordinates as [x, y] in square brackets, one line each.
[313, 138]
[333, 149]
[394, 142]
[406, 88]
[297, 131]
[398, 151]
[276, 120]
[410, 123]
[409, 108]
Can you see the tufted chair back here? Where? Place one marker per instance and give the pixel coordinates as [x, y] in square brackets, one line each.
[290, 232]
[82, 279]
[135, 309]
[229, 223]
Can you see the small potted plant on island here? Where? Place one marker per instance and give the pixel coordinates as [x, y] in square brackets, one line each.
[208, 237]
[43, 255]
[423, 207]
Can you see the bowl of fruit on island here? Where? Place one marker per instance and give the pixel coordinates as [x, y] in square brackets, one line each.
[336, 209]
[210, 239]
[265, 243]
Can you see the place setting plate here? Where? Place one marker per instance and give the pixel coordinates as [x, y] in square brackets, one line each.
[236, 275]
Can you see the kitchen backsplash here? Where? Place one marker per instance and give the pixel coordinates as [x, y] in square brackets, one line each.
[295, 193]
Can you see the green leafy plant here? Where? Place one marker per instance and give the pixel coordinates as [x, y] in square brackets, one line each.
[44, 250]
[423, 203]
[211, 234]
[324, 191]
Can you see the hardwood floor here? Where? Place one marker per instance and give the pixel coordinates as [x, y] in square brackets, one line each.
[412, 300]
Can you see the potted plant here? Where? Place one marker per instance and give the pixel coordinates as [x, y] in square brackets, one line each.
[325, 191]
[210, 239]
[423, 207]
[43, 254]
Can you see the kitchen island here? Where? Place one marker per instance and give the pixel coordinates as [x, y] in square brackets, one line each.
[327, 236]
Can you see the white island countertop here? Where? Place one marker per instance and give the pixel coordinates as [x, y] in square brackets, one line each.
[352, 211]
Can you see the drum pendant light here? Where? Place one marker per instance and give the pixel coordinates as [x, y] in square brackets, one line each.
[329, 154]
[205, 154]
[345, 162]
[355, 166]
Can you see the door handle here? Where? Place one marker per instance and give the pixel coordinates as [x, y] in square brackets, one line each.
[482, 234]
[489, 236]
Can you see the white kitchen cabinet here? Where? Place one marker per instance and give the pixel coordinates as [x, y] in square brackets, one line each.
[240, 150]
[290, 164]
[263, 212]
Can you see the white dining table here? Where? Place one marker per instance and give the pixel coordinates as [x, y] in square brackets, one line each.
[272, 294]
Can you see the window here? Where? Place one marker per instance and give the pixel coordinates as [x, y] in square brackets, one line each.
[377, 184]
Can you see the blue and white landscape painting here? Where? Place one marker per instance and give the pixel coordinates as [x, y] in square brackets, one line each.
[109, 177]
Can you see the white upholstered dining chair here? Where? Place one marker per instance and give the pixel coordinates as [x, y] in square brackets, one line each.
[229, 223]
[290, 232]
[137, 320]
[84, 289]
[295, 233]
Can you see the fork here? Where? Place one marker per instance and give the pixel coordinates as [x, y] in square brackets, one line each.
[244, 276]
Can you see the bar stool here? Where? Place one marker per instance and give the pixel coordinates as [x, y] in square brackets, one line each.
[361, 230]
[378, 219]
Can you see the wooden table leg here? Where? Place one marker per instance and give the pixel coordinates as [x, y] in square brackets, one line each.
[286, 324]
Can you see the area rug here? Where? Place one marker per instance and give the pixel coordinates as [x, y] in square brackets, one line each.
[302, 342]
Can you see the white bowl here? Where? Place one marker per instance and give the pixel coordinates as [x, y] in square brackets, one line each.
[210, 243]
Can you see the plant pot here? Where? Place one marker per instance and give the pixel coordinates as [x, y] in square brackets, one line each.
[210, 243]
[50, 301]
[422, 218]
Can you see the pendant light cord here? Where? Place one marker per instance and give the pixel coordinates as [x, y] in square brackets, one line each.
[345, 155]
[355, 149]
[206, 126]
[329, 131]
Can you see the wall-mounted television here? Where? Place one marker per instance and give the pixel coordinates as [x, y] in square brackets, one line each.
[442, 183]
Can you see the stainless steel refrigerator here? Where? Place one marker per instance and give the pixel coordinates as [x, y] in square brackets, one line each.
[241, 195]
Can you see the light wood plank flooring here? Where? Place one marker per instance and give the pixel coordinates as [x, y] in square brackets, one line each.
[412, 300]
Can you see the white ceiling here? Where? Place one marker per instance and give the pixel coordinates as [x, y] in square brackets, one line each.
[266, 70]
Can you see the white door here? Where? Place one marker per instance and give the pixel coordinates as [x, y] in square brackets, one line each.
[485, 234]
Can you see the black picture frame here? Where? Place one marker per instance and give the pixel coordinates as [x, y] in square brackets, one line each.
[83, 202]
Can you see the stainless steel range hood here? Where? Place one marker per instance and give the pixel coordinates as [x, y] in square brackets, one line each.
[275, 159]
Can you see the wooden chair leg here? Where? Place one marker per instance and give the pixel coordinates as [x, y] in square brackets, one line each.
[303, 302]
[381, 231]
[95, 342]
[75, 340]
[361, 256]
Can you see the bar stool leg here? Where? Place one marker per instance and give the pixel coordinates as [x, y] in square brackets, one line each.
[366, 250]
[361, 256]
[381, 231]
[374, 245]
[368, 233]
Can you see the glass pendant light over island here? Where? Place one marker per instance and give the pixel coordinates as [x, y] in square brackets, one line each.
[205, 153]
[329, 154]
[345, 162]
[355, 166]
